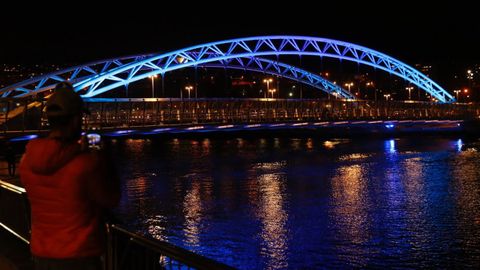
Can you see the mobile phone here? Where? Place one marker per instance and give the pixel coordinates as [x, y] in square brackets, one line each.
[94, 140]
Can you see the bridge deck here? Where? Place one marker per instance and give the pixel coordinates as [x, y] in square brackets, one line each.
[27, 114]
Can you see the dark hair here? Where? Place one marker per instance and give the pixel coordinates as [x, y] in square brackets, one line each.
[59, 121]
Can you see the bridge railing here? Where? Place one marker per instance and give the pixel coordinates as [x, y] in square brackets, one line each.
[27, 114]
[127, 250]
[14, 211]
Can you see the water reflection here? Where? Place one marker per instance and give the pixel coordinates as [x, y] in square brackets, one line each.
[466, 188]
[415, 203]
[459, 144]
[309, 144]
[308, 203]
[157, 228]
[273, 217]
[349, 212]
[192, 207]
[390, 146]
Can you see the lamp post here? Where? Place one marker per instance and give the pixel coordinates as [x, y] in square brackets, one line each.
[387, 96]
[267, 81]
[153, 84]
[188, 88]
[374, 89]
[272, 91]
[456, 93]
[349, 85]
[465, 91]
[409, 92]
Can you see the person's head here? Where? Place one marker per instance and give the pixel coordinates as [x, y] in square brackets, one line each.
[64, 110]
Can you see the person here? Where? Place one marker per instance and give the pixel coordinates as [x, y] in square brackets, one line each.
[69, 187]
[10, 158]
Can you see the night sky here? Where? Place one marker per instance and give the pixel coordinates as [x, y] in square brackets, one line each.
[448, 35]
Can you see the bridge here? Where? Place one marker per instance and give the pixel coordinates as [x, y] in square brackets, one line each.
[21, 105]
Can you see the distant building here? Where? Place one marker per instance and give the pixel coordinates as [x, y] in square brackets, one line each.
[426, 69]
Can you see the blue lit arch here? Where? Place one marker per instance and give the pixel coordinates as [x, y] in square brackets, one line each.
[120, 72]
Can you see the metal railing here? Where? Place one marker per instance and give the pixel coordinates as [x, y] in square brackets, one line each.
[125, 250]
[26, 115]
[14, 211]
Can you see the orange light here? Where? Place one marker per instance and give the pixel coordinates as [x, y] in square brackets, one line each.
[465, 90]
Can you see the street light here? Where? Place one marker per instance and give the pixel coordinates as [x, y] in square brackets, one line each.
[153, 84]
[188, 88]
[409, 92]
[272, 91]
[456, 93]
[349, 85]
[387, 96]
[374, 89]
[267, 81]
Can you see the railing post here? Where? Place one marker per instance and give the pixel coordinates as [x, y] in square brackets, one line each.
[102, 118]
[109, 256]
[144, 112]
[41, 114]
[116, 114]
[25, 107]
[157, 114]
[129, 119]
[6, 117]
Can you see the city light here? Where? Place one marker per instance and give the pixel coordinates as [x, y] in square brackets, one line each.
[188, 88]
[409, 89]
[267, 81]
[349, 85]
[456, 93]
[153, 84]
[272, 91]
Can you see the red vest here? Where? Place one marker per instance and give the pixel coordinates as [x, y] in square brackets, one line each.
[68, 190]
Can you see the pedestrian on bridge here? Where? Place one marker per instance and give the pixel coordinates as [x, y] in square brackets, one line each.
[69, 186]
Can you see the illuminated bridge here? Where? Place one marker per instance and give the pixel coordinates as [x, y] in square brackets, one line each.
[22, 103]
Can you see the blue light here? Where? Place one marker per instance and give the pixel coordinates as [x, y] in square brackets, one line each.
[93, 138]
[459, 145]
[24, 138]
[390, 146]
[245, 48]
[120, 132]
[389, 126]
[161, 129]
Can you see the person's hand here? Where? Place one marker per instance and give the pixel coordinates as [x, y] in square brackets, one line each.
[83, 143]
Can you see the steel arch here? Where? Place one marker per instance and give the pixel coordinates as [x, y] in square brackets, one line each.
[49, 81]
[254, 47]
[283, 70]
[73, 74]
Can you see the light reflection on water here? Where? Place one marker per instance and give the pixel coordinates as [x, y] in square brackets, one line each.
[193, 217]
[275, 203]
[349, 210]
[273, 217]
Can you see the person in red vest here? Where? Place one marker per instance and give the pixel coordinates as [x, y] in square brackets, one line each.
[69, 188]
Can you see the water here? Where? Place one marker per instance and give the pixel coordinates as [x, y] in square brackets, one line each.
[274, 203]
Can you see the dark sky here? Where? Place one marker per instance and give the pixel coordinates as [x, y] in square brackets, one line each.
[444, 33]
